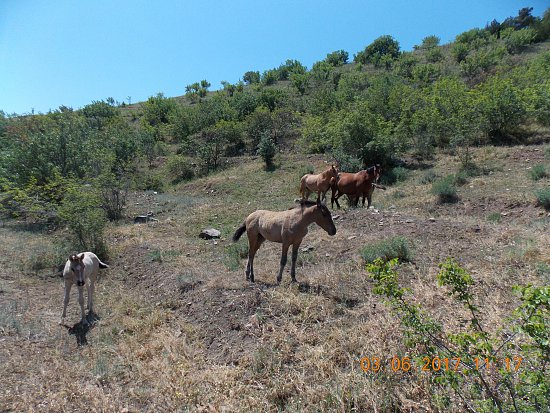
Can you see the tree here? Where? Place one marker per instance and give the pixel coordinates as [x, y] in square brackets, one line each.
[384, 46]
[251, 77]
[337, 58]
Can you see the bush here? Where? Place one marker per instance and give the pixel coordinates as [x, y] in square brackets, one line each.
[519, 39]
[428, 177]
[538, 172]
[396, 247]
[267, 150]
[543, 197]
[82, 213]
[401, 174]
[180, 169]
[445, 190]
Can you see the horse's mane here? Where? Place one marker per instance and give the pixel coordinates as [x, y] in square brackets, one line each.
[371, 169]
[300, 203]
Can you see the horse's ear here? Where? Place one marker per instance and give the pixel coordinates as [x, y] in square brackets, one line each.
[81, 257]
[72, 258]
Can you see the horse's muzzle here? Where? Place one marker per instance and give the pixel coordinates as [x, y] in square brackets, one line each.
[80, 283]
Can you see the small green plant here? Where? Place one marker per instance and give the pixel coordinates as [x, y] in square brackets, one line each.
[461, 178]
[156, 256]
[396, 247]
[490, 372]
[429, 177]
[543, 197]
[538, 172]
[445, 190]
[234, 253]
[494, 217]
[401, 174]
[187, 281]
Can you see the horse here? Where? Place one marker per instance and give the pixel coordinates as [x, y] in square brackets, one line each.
[285, 227]
[319, 183]
[81, 269]
[356, 185]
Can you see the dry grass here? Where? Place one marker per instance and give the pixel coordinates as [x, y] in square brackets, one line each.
[181, 330]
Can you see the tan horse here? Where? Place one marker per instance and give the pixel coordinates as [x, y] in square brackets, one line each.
[285, 227]
[356, 185]
[81, 269]
[319, 183]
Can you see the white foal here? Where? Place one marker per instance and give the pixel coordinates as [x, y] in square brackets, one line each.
[81, 270]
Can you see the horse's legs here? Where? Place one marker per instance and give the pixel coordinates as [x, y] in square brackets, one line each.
[335, 198]
[295, 248]
[91, 288]
[66, 300]
[254, 243]
[81, 302]
[283, 261]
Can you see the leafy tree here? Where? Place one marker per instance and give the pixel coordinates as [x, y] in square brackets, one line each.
[429, 42]
[251, 77]
[518, 40]
[384, 46]
[337, 58]
[99, 113]
[81, 213]
[158, 110]
[270, 77]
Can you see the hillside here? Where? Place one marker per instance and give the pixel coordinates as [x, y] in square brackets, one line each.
[180, 328]
[462, 134]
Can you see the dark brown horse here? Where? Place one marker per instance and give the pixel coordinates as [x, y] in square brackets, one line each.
[285, 227]
[356, 185]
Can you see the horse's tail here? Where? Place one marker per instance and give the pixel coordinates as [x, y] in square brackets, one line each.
[240, 231]
[102, 264]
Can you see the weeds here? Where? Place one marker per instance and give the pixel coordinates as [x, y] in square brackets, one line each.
[396, 247]
[445, 190]
[538, 172]
[543, 197]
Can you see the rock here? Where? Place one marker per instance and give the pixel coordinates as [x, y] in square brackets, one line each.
[504, 214]
[431, 219]
[307, 248]
[142, 219]
[335, 217]
[352, 237]
[209, 233]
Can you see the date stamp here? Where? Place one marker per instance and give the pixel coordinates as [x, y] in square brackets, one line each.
[435, 364]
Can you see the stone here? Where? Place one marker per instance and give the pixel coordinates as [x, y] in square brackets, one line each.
[209, 233]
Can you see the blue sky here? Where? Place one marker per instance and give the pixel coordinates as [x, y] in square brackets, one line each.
[67, 52]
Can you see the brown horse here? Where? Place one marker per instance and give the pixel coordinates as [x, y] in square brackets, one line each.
[356, 185]
[319, 183]
[285, 227]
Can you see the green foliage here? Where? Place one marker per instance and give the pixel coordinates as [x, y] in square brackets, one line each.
[81, 213]
[494, 217]
[179, 167]
[158, 110]
[401, 174]
[538, 172]
[251, 77]
[518, 40]
[506, 389]
[445, 190]
[386, 250]
[543, 197]
[337, 58]
[383, 47]
[429, 42]
[429, 177]
[267, 150]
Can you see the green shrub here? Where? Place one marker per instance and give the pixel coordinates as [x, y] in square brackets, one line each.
[180, 168]
[543, 197]
[494, 217]
[82, 213]
[538, 172]
[428, 177]
[460, 178]
[445, 190]
[396, 247]
[267, 150]
[401, 174]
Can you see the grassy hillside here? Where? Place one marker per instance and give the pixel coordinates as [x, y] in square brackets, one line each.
[180, 329]
[462, 134]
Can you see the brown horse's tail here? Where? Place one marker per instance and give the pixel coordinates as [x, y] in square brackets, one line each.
[240, 231]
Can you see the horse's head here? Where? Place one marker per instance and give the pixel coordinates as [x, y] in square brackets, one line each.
[323, 218]
[334, 172]
[77, 267]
